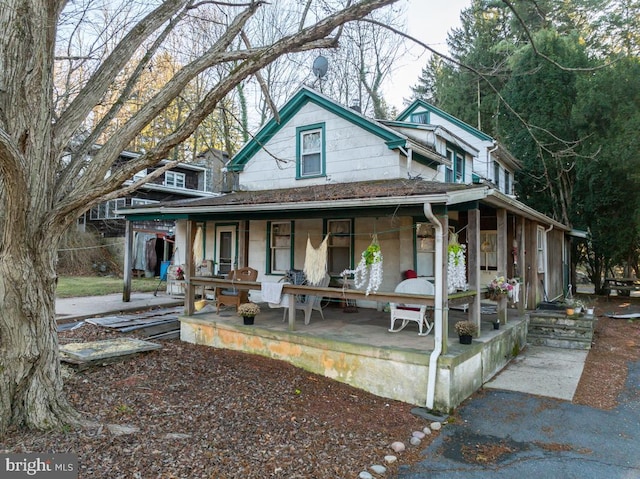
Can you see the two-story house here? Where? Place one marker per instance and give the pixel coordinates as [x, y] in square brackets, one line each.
[326, 175]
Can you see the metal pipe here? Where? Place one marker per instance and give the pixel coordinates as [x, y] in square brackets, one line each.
[438, 313]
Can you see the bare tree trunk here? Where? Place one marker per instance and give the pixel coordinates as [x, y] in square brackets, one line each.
[32, 391]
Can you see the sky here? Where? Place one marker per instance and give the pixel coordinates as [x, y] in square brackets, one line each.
[429, 21]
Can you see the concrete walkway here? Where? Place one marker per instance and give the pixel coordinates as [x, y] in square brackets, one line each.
[542, 371]
[76, 309]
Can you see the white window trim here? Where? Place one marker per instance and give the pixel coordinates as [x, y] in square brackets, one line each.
[274, 246]
[103, 210]
[173, 182]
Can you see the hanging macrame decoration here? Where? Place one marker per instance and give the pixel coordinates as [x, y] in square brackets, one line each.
[456, 265]
[315, 262]
[369, 270]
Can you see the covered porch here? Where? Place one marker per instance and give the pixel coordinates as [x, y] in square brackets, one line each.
[356, 348]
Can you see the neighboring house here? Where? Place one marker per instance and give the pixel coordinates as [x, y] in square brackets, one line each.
[493, 162]
[324, 171]
[180, 182]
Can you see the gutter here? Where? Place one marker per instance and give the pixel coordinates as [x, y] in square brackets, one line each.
[438, 313]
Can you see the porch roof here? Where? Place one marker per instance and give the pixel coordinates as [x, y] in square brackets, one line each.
[362, 198]
[331, 196]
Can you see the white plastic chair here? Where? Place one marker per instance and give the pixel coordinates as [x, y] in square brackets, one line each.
[309, 303]
[412, 312]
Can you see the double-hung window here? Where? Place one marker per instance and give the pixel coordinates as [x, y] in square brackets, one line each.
[425, 242]
[310, 149]
[455, 172]
[496, 174]
[339, 245]
[107, 210]
[507, 182]
[280, 240]
[489, 250]
[172, 178]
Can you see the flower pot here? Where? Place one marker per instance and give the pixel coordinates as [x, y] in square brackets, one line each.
[465, 338]
[248, 320]
[496, 325]
[590, 311]
[569, 311]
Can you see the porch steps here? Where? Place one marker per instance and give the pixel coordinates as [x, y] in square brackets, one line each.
[556, 329]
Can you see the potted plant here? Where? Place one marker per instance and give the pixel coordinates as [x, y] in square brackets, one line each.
[578, 306]
[248, 312]
[569, 307]
[589, 306]
[466, 330]
[498, 288]
[496, 323]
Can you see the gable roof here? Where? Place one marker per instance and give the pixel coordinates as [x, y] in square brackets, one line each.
[306, 95]
[456, 121]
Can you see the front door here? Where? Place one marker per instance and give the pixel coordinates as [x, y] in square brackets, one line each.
[226, 256]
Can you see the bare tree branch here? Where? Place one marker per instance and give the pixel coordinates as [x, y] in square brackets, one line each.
[312, 37]
[80, 107]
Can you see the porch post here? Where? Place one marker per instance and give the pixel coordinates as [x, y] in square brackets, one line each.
[473, 263]
[190, 291]
[128, 253]
[502, 247]
[291, 301]
[520, 236]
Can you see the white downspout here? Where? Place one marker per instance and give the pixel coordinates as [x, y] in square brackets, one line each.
[408, 152]
[437, 350]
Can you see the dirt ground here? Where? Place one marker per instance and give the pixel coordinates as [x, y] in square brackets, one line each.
[198, 412]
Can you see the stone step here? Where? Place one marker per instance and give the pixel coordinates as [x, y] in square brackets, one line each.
[554, 342]
[556, 329]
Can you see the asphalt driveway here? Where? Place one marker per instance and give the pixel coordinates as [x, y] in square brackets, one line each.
[507, 434]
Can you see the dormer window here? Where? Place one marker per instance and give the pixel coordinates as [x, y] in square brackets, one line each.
[174, 179]
[310, 161]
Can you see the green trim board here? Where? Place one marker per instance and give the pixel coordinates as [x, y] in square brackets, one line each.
[411, 110]
[302, 97]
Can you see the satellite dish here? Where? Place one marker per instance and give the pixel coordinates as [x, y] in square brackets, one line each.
[320, 66]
